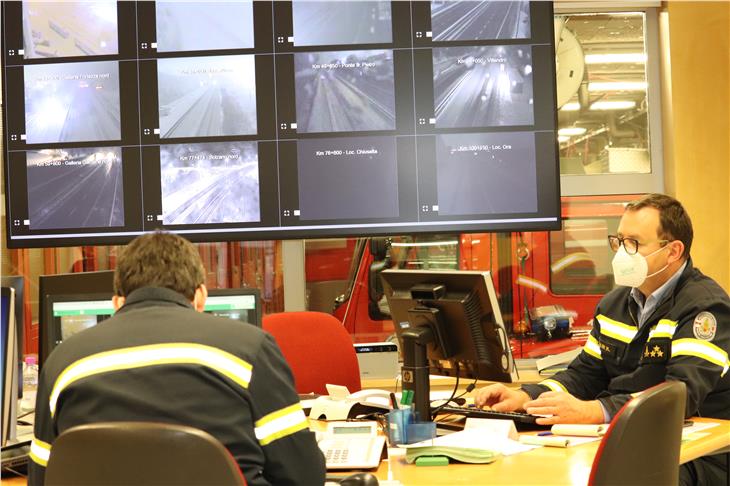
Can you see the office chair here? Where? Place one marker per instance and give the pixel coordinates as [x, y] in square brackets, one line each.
[318, 349]
[140, 453]
[641, 446]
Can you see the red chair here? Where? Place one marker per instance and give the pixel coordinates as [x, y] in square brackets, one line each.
[318, 349]
[642, 444]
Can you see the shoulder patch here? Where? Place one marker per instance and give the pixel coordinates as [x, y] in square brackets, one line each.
[705, 326]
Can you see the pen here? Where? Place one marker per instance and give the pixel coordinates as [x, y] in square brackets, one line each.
[543, 434]
[393, 400]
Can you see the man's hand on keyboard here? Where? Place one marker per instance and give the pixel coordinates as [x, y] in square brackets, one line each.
[501, 398]
[564, 408]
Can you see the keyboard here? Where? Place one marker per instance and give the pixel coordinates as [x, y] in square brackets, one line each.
[523, 421]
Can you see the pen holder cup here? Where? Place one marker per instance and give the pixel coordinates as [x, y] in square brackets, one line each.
[404, 428]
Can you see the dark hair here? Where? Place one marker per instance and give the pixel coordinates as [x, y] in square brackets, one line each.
[159, 260]
[674, 222]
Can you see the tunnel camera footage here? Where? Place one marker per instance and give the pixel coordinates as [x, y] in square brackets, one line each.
[345, 91]
[217, 25]
[464, 21]
[75, 188]
[207, 96]
[65, 29]
[348, 178]
[208, 183]
[483, 86]
[486, 173]
[341, 23]
[60, 99]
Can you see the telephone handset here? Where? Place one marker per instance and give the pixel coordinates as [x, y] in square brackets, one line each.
[372, 396]
[351, 445]
[341, 405]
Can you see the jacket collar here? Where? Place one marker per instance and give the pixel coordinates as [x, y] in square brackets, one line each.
[154, 296]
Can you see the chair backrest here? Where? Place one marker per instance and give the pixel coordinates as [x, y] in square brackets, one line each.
[140, 453]
[318, 349]
[641, 446]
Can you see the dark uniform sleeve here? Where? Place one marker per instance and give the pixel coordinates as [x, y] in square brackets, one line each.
[699, 352]
[44, 431]
[585, 377]
[282, 429]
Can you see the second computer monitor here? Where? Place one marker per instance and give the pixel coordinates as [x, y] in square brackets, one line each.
[461, 309]
[68, 314]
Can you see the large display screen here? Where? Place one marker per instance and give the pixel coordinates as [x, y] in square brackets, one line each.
[244, 120]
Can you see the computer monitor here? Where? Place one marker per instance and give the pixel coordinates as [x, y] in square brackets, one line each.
[9, 359]
[100, 285]
[17, 282]
[73, 313]
[448, 323]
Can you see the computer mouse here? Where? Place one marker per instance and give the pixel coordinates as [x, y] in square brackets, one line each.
[360, 479]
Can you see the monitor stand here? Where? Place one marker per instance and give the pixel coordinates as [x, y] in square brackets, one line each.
[415, 370]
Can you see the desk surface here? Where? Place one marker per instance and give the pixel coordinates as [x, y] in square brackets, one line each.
[569, 466]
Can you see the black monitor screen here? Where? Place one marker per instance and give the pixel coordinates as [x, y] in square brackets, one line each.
[242, 120]
[461, 309]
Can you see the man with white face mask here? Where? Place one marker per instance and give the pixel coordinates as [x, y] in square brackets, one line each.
[664, 321]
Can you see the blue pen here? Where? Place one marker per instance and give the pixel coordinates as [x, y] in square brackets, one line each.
[543, 434]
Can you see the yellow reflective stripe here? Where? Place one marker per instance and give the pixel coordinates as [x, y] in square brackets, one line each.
[701, 349]
[280, 423]
[40, 452]
[615, 329]
[554, 385]
[664, 329]
[591, 347]
[152, 355]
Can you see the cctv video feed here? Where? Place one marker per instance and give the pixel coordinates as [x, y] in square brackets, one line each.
[75, 188]
[208, 183]
[200, 26]
[347, 178]
[482, 86]
[207, 96]
[344, 91]
[341, 23]
[66, 29]
[61, 100]
[467, 20]
[486, 173]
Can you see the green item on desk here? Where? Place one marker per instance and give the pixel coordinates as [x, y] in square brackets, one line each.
[432, 461]
[462, 454]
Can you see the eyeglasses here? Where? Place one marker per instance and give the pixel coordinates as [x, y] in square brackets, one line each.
[631, 245]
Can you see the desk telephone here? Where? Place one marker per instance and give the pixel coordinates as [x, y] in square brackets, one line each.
[350, 445]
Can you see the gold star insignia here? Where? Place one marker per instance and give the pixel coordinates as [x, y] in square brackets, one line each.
[646, 352]
[653, 353]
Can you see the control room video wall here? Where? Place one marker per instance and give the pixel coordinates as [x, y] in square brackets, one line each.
[269, 120]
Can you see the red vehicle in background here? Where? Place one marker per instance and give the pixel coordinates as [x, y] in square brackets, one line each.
[548, 283]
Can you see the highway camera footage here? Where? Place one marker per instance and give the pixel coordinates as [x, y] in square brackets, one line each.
[483, 86]
[341, 23]
[217, 25]
[64, 29]
[61, 99]
[464, 21]
[486, 173]
[208, 183]
[344, 91]
[207, 96]
[75, 188]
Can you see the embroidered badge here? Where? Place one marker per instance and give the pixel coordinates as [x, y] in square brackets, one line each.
[705, 326]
